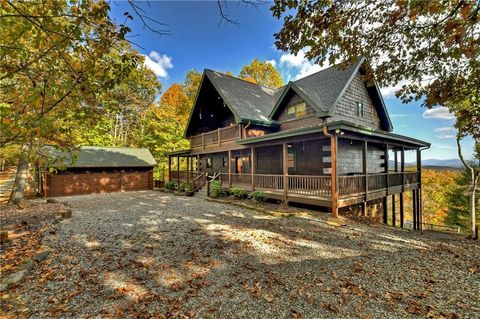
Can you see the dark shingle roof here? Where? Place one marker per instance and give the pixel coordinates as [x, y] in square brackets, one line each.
[247, 100]
[325, 87]
[93, 156]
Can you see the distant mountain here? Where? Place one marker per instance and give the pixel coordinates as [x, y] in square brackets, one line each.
[453, 163]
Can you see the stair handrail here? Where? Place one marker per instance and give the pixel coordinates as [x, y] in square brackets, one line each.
[215, 176]
[195, 184]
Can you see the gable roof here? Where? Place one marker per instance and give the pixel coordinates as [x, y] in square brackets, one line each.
[94, 156]
[250, 102]
[247, 101]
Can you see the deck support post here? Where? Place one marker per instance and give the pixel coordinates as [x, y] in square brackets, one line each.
[229, 169]
[414, 210]
[198, 163]
[402, 212]
[365, 172]
[285, 172]
[188, 171]
[393, 211]
[385, 209]
[169, 168]
[419, 191]
[178, 169]
[252, 166]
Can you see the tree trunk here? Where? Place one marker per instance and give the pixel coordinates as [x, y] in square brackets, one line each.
[473, 189]
[18, 190]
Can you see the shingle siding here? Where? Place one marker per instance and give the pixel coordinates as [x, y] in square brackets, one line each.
[347, 106]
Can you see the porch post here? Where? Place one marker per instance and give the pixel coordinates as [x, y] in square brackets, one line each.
[198, 162]
[252, 166]
[285, 172]
[402, 168]
[169, 168]
[365, 172]
[333, 150]
[414, 210]
[178, 169]
[401, 210]
[229, 169]
[393, 210]
[419, 191]
[188, 171]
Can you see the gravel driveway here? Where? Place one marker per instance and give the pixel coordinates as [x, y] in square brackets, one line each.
[151, 254]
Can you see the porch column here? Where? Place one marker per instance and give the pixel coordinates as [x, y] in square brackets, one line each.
[334, 177]
[188, 171]
[252, 166]
[198, 162]
[365, 172]
[419, 191]
[169, 168]
[394, 217]
[414, 210]
[229, 169]
[178, 169]
[402, 168]
[387, 186]
[285, 172]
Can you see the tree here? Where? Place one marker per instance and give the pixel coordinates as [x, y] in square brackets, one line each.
[262, 73]
[56, 60]
[431, 47]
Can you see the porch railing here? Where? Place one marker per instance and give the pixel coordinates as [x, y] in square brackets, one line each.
[308, 185]
[217, 136]
[184, 175]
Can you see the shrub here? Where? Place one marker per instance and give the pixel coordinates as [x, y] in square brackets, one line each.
[238, 193]
[215, 189]
[257, 196]
[185, 187]
[171, 185]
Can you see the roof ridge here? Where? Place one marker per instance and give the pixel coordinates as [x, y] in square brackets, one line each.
[332, 66]
[237, 78]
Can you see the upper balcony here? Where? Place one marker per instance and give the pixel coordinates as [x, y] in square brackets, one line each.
[216, 138]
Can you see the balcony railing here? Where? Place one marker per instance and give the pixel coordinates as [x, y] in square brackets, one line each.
[216, 137]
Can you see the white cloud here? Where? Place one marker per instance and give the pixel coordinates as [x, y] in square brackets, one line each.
[298, 63]
[438, 113]
[389, 91]
[443, 146]
[445, 132]
[272, 62]
[399, 115]
[158, 63]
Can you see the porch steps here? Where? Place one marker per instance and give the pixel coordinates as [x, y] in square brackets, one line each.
[202, 192]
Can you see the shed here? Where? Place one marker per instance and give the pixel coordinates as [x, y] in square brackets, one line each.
[94, 169]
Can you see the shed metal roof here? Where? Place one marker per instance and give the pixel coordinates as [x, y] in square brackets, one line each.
[94, 156]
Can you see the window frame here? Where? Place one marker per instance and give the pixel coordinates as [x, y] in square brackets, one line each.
[225, 161]
[295, 114]
[360, 109]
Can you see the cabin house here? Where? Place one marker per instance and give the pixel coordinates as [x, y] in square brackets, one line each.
[325, 140]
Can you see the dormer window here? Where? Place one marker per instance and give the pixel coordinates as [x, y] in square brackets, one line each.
[360, 109]
[297, 110]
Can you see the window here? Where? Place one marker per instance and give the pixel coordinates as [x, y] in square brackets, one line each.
[360, 109]
[225, 161]
[209, 162]
[296, 111]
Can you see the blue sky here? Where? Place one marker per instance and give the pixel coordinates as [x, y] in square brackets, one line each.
[199, 40]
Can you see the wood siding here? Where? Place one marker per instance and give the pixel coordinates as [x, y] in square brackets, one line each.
[309, 119]
[268, 160]
[347, 106]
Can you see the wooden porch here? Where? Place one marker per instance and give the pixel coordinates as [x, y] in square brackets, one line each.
[316, 189]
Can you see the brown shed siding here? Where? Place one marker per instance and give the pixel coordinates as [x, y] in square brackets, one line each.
[347, 106]
[81, 183]
[309, 119]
